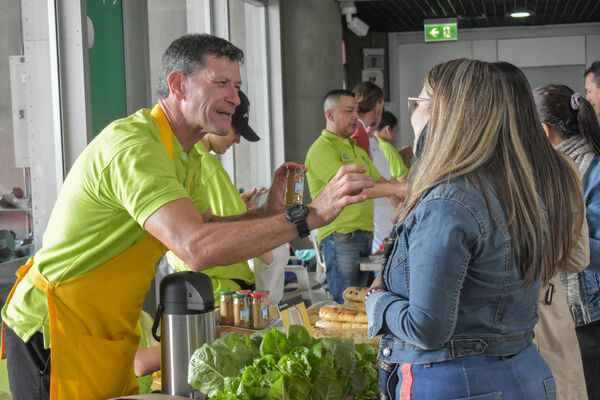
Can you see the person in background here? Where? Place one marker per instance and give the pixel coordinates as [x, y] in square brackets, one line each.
[455, 304]
[386, 134]
[350, 235]
[592, 85]
[224, 200]
[370, 107]
[571, 126]
[555, 336]
[134, 192]
[388, 162]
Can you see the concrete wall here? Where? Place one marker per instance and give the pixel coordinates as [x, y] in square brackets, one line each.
[166, 22]
[311, 37]
[547, 54]
[355, 45]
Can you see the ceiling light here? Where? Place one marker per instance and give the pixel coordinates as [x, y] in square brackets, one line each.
[520, 14]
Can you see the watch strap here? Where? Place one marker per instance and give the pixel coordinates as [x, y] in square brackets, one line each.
[302, 227]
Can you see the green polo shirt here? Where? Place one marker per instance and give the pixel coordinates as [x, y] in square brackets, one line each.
[224, 201]
[398, 169]
[325, 157]
[121, 178]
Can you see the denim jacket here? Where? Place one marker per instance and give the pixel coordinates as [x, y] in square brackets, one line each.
[452, 286]
[589, 279]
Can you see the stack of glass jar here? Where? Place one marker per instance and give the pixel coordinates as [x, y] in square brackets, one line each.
[244, 309]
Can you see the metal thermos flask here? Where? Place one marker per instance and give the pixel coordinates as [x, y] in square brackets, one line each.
[186, 313]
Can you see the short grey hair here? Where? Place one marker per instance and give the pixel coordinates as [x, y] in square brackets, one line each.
[187, 54]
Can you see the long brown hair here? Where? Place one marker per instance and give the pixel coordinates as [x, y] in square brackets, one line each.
[368, 95]
[552, 169]
[471, 133]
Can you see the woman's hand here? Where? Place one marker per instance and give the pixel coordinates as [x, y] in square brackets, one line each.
[377, 282]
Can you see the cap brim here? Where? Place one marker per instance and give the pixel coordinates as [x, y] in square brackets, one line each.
[246, 132]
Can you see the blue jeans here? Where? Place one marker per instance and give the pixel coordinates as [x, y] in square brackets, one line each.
[523, 376]
[342, 253]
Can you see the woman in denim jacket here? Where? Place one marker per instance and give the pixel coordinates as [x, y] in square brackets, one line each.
[571, 126]
[456, 302]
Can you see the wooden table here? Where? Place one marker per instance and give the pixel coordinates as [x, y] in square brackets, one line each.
[371, 263]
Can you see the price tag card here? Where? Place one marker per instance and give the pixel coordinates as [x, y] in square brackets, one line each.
[293, 312]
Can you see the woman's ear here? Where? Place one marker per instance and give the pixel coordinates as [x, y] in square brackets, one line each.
[554, 138]
[549, 132]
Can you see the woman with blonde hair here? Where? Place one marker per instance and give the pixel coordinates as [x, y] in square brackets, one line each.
[456, 304]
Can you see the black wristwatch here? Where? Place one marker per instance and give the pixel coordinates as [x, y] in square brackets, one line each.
[297, 215]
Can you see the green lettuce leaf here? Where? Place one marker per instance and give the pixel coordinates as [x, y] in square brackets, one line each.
[226, 357]
[283, 364]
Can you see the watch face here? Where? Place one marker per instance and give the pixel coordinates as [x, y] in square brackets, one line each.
[297, 212]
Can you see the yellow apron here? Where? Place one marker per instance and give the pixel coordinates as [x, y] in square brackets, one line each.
[93, 317]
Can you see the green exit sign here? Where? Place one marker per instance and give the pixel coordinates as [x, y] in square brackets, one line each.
[441, 31]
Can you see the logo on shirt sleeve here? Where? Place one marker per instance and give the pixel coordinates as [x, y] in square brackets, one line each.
[345, 157]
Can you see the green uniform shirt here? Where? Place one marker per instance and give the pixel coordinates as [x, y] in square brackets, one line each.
[121, 178]
[398, 169]
[224, 201]
[325, 157]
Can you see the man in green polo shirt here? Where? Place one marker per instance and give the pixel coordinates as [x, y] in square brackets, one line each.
[225, 200]
[349, 236]
[132, 193]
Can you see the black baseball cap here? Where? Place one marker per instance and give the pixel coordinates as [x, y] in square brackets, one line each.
[240, 118]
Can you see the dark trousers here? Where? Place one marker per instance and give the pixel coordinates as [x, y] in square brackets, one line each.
[28, 367]
[589, 344]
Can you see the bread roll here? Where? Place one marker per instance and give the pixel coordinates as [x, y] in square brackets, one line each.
[355, 305]
[340, 325]
[358, 335]
[354, 293]
[342, 314]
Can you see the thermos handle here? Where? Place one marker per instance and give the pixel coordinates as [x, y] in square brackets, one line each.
[159, 312]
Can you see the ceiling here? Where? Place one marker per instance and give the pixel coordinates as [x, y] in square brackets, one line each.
[408, 15]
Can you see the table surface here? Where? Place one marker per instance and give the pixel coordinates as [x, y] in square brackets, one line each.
[371, 263]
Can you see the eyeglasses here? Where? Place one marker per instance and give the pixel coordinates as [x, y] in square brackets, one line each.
[413, 103]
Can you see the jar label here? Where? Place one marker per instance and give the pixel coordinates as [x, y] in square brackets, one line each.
[245, 314]
[265, 314]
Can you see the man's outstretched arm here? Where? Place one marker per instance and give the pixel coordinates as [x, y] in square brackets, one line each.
[180, 226]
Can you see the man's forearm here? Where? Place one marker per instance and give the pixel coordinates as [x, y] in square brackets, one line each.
[227, 243]
[202, 244]
[382, 189]
[254, 213]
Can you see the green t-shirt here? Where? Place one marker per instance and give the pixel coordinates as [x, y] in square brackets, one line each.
[121, 178]
[325, 157]
[398, 169]
[224, 201]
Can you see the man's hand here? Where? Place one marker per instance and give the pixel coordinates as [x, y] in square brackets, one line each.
[343, 189]
[250, 197]
[276, 199]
